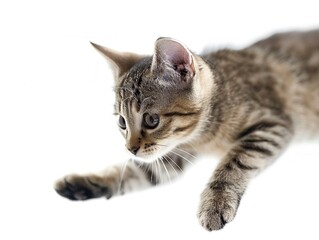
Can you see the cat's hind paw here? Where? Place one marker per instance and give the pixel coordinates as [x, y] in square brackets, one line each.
[75, 187]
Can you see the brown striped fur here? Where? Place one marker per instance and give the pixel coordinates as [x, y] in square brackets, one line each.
[246, 105]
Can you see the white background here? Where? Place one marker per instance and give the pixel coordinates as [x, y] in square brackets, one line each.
[56, 118]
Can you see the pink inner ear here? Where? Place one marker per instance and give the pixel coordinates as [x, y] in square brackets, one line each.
[174, 53]
[171, 54]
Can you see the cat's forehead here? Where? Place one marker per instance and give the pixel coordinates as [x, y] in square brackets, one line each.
[143, 89]
[139, 86]
[139, 70]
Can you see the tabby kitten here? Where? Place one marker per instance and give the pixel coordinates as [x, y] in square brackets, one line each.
[246, 105]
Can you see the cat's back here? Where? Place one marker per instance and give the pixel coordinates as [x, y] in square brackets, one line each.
[279, 73]
[303, 46]
[299, 53]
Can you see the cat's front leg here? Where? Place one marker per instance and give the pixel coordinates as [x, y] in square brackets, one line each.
[115, 180]
[256, 147]
[123, 178]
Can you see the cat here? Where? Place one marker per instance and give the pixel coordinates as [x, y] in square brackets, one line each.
[246, 105]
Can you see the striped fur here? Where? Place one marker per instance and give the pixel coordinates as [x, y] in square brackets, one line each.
[247, 105]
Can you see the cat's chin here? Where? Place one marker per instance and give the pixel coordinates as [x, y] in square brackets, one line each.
[148, 158]
[144, 159]
[154, 156]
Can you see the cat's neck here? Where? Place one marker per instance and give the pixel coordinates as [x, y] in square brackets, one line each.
[205, 84]
[203, 89]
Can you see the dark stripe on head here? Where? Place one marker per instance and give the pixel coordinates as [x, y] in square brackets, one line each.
[180, 114]
[181, 129]
[131, 105]
[139, 80]
[127, 106]
[119, 106]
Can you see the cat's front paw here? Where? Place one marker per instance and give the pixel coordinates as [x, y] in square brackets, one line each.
[76, 187]
[217, 208]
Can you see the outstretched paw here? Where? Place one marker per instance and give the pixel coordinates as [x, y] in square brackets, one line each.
[75, 187]
[217, 208]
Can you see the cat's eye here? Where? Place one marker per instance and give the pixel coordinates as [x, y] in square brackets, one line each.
[122, 123]
[150, 121]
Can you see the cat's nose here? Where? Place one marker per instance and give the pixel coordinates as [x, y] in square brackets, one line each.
[134, 149]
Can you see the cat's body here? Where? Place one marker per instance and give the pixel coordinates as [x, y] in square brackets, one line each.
[246, 105]
[276, 79]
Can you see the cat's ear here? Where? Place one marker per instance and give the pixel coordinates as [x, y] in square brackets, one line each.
[121, 62]
[173, 61]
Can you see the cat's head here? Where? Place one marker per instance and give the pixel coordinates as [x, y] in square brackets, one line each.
[159, 98]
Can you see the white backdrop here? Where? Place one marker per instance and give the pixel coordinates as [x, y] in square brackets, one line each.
[56, 104]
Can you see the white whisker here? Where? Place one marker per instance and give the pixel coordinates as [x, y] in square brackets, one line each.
[122, 175]
[152, 172]
[179, 149]
[182, 157]
[169, 178]
[168, 161]
[174, 163]
[158, 167]
[176, 153]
